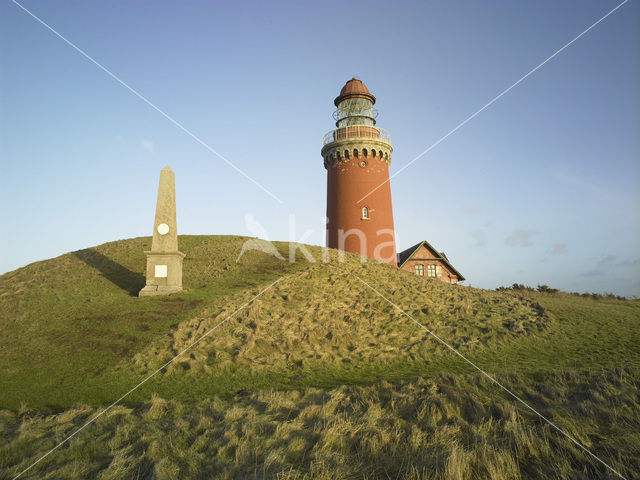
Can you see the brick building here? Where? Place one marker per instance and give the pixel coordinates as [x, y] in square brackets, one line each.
[426, 261]
[357, 156]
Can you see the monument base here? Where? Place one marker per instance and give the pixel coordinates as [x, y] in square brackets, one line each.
[150, 290]
[164, 273]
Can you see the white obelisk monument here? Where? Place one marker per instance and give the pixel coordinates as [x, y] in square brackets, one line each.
[164, 261]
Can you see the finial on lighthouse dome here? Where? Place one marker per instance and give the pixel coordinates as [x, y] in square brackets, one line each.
[354, 88]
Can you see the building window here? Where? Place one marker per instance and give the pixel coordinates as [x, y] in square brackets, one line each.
[365, 213]
[431, 271]
[420, 270]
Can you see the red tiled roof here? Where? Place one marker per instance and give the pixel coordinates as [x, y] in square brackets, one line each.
[354, 88]
[407, 254]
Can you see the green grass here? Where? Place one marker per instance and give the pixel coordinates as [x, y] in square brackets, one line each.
[73, 338]
[69, 322]
[588, 336]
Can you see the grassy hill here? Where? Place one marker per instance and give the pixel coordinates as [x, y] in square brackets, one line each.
[318, 377]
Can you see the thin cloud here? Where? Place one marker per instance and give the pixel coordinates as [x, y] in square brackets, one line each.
[472, 210]
[606, 263]
[557, 249]
[520, 238]
[148, 145]
[629, 263]
[601, 266]
[566, 176]
[480, 237]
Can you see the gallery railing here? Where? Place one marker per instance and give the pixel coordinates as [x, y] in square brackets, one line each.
[356, 131]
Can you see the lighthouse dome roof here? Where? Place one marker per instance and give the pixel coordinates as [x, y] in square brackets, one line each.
[354, 88]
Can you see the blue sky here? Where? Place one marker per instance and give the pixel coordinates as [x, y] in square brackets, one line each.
[541, 187]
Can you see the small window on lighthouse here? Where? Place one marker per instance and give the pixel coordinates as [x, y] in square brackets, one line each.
[365, 213]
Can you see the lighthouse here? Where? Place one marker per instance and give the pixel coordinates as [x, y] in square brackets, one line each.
[357, 156]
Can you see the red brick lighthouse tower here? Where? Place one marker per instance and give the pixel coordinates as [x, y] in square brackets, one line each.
[357, 157]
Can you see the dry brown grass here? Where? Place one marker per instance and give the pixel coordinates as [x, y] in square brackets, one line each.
[327, 315]
[446, 427]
